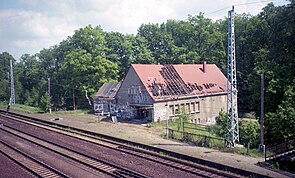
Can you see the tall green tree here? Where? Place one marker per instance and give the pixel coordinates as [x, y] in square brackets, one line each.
[85, 66]
[160, 42]
[30, 76]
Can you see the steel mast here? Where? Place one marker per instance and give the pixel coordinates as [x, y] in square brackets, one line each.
[12, 94]
[232, 130]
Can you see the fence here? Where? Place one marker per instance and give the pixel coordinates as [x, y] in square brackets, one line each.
[192, 126]
[196, 139]
[285, 147]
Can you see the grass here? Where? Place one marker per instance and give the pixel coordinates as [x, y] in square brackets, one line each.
[176, 125]
[244, 151]
[78, 111]
[21, 108]
[35, 110]
[203, 131]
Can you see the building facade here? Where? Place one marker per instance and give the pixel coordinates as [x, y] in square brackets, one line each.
[158, 92]
[104, 99]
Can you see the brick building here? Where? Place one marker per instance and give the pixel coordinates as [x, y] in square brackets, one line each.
[156, 92]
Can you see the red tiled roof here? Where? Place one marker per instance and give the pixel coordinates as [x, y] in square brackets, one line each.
[180, 79]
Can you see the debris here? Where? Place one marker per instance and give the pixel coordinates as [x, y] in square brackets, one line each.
[56, 119]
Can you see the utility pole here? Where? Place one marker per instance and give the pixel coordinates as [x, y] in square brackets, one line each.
[49, 102]
[232, 130]
[12, 95]
[167, 118]
[74, 102]
[261, 145]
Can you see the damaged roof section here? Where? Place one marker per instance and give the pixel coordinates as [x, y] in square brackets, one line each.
[107, 90]
[181, 79]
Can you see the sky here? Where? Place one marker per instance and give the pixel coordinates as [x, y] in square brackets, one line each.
[28, 26]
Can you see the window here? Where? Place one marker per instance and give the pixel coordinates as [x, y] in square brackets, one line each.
[193, 108]
[171, 110]
[176, 109]
[182, 107]
[197, 107]
[187, 108]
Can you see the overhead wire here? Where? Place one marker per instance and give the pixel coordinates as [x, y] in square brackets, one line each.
[241, 4]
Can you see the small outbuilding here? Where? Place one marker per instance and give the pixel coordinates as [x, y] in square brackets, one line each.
[104, 99]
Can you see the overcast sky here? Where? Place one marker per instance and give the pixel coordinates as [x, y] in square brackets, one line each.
[27, 26]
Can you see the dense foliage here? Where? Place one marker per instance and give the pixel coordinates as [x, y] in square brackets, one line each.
[83, 62]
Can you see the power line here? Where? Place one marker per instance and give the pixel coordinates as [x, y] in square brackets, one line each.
[241, 4]
[51, 83]
[218, 10]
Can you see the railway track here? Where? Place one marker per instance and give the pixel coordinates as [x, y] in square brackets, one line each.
[34, 166]
[189, 167]
[101, 166]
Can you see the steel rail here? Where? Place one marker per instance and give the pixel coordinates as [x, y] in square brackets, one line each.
[110, 139]
[103, 166]
[155, 157]
[31, 164]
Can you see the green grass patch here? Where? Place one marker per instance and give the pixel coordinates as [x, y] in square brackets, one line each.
[35, 110]
[243, 151]
[199, 138]
[78, 111]
[176, 125]
[25, 109]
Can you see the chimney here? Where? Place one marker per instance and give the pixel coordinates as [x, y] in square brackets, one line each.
[204, 66]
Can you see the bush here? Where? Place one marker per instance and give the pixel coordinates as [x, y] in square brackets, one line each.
[249, 132]
[250, 115]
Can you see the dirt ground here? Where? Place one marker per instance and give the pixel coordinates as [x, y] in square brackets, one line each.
[139, 132]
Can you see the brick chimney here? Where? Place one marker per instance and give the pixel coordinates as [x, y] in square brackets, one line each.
[204, 66]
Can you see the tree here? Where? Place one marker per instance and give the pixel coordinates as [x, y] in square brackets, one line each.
[44, 102]
[249, 133]
[87, 72]
[90, 39]
[160, 42]
[29, 75]
[280, 124]
[220, 127]
[208, 39]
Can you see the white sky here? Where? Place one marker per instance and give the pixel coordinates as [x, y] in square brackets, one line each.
[27, 26]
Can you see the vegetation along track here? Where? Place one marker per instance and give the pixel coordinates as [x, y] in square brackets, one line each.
[186, 166]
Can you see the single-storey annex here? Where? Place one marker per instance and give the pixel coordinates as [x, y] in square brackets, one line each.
[156, 92]
[104, 99]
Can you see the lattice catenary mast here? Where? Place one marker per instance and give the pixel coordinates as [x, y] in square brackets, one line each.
[12, 94]
[232, 134]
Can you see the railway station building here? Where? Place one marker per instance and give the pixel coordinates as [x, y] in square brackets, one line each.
[156, 92]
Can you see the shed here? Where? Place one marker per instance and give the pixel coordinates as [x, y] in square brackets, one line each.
[104, 99]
